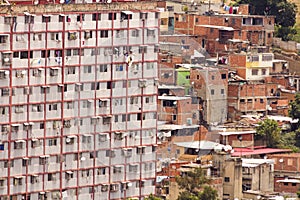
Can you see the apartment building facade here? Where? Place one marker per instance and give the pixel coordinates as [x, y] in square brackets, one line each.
[78, 100]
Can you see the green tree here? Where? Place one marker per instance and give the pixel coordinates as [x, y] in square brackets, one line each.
[294, 111]
[285, 33]
[194, 186]
[269, 131]
[152, 197]
[208, 193]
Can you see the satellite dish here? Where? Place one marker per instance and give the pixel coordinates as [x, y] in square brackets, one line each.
[280, 160]
[108, 1]
[62, 1]
[82, 158]
[68, 140]
[129, 184]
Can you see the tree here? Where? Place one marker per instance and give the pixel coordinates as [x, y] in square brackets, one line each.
[208, 193]
[194, 186]
[152, 197]
[294, 111]
[269, 131]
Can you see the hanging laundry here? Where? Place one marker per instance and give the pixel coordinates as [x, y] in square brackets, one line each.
[230, 10]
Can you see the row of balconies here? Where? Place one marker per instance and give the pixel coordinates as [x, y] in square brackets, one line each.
[101, 191]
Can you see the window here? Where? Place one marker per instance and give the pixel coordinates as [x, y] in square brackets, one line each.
[53, 71]
[103, 68]
[55, 36]
[263, 72]
[45, 54]
[267, 57]
[86, 139]
[140, 150]
[254, 58]
[110, 153]
[71, 70]
[4, 91]
[42, 125]
[142, 49]
[223, 76]
[37, 108]
[102, 103]
[119, 33]
[226, 179]
[29, 19]
[52, 142]
[222, 91]
[88, 34]
[18, 144]
[87, 69]
[119, 68]
[3, 39]
[43, 160]
[18, 181]
[60, 18]
[151, 32]
[87, 104]
[8, 163]
[46, 19]
[143, 15]
[117, 169]
[69, 175]
[133, 168]
[95, 86]
[53, 106]
[112, 16]
[135, 33]
[254, 72]
[51, 177]
[80, 17]
[104, 34]
[212, 91]
[101, 171]
[96, 16]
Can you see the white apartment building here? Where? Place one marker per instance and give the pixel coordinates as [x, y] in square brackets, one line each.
[78, 93]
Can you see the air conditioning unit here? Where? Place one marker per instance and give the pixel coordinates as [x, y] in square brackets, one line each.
[72, 36]
[4, 74]
[87, 35]
[119, 135]
[70, 140]
[20, 74]
[142, 83]
[104, 188]
[114, 187]
[67, 124]
[127, 152]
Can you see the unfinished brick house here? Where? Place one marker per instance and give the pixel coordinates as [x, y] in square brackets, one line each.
[246, 97]
[219, 32]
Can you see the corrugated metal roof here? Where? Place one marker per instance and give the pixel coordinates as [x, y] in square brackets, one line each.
[246, 151]
[237, 133]
[198, 144]
[174, 98]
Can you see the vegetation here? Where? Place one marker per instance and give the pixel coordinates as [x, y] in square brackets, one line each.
[269, 132]
[152, 197]
[194, 186]
[283, 10]
[294, 111]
